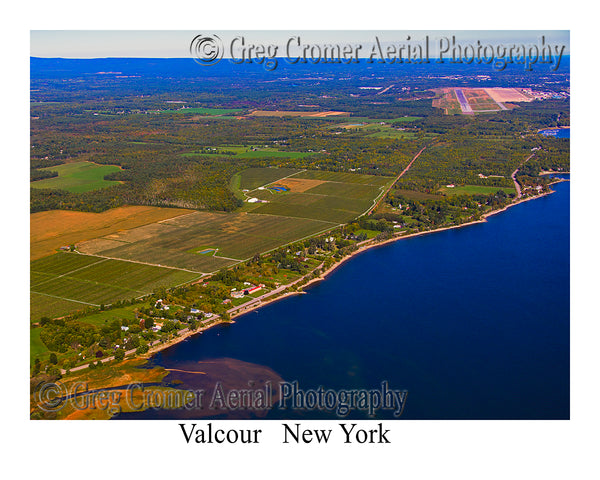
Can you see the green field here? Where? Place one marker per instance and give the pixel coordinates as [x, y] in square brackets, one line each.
[343, 177]
[475, 189]
[64, 282]
[252, 178]
[347, 190]
[134, 262]
[343, 196]
[78, 177]
[205, 111]
[36, 346]
[102, 318]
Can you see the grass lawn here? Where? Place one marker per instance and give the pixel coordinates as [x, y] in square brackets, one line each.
[36, 346]
[104, 318]
[369, 233]
[78, 177]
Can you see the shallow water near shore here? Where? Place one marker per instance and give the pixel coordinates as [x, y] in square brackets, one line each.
[472, 322]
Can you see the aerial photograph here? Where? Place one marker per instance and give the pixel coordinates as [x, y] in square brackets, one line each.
[299, 225]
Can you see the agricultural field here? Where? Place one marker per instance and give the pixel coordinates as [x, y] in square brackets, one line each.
[335, 197]
[343, 177]
[128, 252]
[53, 229]
[78, 177]
[65, 282]
[252, 178]
[179, 242]
[475, 190]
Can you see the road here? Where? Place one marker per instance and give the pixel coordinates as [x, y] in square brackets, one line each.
[372, 209]
[514, 176]
[383, 91]
[258, 300]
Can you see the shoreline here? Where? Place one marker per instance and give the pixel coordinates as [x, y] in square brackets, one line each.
[325, 273]
[417, 234]
[186, 333]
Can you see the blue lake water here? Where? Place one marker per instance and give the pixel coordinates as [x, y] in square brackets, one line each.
[556, 132]
[472, 322]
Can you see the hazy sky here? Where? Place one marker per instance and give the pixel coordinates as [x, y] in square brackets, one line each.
[176, 44]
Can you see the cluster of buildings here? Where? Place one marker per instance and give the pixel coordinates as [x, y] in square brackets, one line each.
[247, 290]
[545, 95]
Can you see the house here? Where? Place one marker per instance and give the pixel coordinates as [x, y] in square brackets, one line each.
[253, 289]
[194, 310]
[124, 328]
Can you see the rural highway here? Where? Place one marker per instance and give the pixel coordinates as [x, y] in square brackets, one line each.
[259, 299]
[514, 176]
[394, 182]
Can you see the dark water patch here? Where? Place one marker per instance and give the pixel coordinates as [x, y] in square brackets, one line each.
[472, 322]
